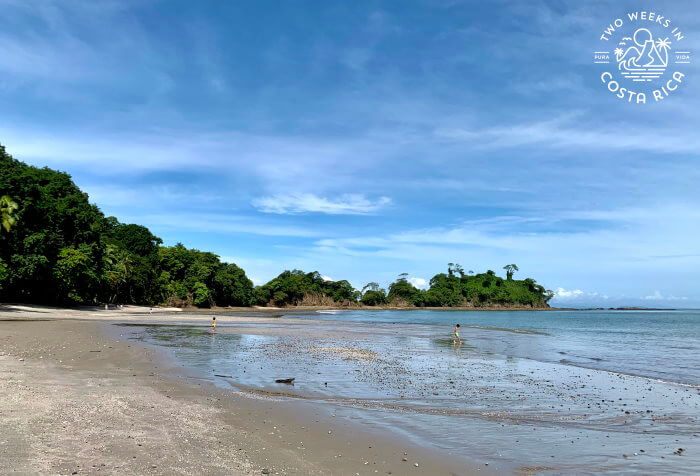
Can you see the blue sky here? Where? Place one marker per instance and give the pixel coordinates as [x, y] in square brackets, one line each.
[365, 139]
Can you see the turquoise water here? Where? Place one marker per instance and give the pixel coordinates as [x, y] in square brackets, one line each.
[574, 391]
[656, 344]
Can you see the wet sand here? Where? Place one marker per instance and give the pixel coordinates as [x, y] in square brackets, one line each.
[519, 415]
[75, 400]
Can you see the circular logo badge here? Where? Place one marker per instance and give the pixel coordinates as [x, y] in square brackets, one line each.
[642, 57]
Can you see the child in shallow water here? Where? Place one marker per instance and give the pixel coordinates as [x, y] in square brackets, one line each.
[213, 323]
[456, 337]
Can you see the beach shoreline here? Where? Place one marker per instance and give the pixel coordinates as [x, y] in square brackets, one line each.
[374, 393]
[75, 400]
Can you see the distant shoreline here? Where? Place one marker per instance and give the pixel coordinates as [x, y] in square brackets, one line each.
[280, 311]
[294, 309]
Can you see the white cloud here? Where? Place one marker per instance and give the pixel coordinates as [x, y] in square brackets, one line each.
[568, 131]
[657, 296]
[564, 294]
[348, 204]
[420, 283]
[327, 278]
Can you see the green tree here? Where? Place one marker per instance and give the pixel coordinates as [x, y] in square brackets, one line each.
[76, 274]
[455, 268]
[117, 273]
[402, 290]
[231, 286]
[201, 295]
[7, 210]
[510, 270]
[185, 273]
[3, 273]
[373, 295]
[445, 291]
[54, 215]
[370, 287]
[293, 287]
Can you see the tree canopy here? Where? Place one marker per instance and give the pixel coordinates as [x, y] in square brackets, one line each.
[297, 287]
[57, 248]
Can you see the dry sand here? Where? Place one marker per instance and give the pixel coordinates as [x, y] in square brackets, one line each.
[75, 401]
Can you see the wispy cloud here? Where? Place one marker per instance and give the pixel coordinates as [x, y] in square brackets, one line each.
[223, 224]
[657, 296]
[573, 130]
[348, 204]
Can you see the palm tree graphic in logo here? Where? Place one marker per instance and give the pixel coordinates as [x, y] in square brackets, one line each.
[646, 59]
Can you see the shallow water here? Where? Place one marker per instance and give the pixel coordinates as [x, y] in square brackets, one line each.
[563, 395]
[657, 344]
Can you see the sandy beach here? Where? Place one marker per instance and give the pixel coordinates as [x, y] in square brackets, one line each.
[74, 400]
[156, 391]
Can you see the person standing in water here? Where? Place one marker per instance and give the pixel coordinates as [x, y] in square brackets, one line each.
[213, 323]
[456, 337]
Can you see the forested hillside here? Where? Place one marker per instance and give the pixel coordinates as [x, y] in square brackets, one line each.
[57, 248]
[60, 249]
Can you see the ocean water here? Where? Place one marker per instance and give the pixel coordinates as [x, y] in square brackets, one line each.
[571, 391]
[655, 344]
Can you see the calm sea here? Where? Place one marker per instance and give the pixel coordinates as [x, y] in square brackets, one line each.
[663, 345]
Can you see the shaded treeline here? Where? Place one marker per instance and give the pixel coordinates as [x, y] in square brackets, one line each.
[57, 248]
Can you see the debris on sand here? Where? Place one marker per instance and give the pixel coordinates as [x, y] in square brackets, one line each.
[349, 352]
